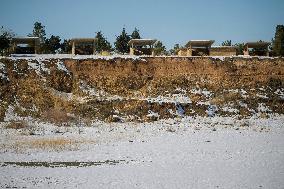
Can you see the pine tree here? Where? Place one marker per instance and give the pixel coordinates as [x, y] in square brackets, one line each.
[121, 43]
[278, 42]
[52, 44]
[65, 46]
[240, 48]
[4, 43]
[102, 44]
[159, 48]
[174, 51]
[227, 43]
[135, 34]
[39, 31]
[5, 38]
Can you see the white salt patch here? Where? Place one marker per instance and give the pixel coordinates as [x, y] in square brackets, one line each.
[70, 56]
[38, 66]
[3, 75]
[263, 108]
[174, 98]
[280, 93]
[262, 96]
[2, 66]
[152, 114]
[229, 108]
[204, 92]
[61, 66]
[222, 58]
[244, 93]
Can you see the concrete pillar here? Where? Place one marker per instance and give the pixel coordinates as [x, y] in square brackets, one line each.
[189, 52]
[94, 47]
[153, 52]
[73, 47]
[208, 50]
[35, 47]
[131, 51]
[14, 46]
[246, 50]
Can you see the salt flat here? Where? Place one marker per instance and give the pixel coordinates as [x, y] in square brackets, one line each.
[218, 152]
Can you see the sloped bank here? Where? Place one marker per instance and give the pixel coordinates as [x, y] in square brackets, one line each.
[140, 89]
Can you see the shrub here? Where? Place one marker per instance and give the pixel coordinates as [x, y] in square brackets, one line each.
[57, 116]
[17, 125]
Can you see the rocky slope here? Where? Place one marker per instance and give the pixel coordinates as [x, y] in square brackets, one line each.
[139, 89]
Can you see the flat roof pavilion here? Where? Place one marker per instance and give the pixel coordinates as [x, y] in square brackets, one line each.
[137, 46]
[198, 47]
[141, 42]
[199, 43]
[25, 40]
[32, 42]
[262, 47]
[258, 44]
[83, 40]
[75, 41]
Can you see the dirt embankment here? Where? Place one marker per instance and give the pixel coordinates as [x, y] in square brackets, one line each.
[156, 75]
[147, 88]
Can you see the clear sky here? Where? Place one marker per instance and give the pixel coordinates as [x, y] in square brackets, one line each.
[171, 21]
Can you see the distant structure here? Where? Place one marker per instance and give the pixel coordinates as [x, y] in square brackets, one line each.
[182, 52]
[83, 46]
[25, 45]
[259, 48]
[199, 47]
[223, 51]
[142, 46]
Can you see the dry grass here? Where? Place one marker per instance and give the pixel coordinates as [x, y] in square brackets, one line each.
[57, 116]
[17, 125]
[52, 144]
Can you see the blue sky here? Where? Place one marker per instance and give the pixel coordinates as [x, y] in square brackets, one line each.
[171, 21]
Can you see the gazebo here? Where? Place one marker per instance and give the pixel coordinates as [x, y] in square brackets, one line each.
[25, 45]
[88, 45]
[199, 47]
[142, 46]
[259, 48]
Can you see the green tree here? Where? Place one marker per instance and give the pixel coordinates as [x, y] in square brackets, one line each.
[65, 46]
[135, 34]
[5, 39]
[102, 44]
[121, 43]
[174, 51]
[52, 44]
[227, 43]
[39, 31]
[4, 44]
[159, 48]
[278, 42]
[240, 48]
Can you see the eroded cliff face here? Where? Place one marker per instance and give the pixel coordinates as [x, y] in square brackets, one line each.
[141, 89]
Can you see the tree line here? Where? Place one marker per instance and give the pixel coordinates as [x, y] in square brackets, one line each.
[54, 44]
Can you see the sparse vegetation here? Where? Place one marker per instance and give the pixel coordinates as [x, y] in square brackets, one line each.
[17, 125]
[159, 48]
[50, 144]
[57, 116]
[121, 43]
[278, 41]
